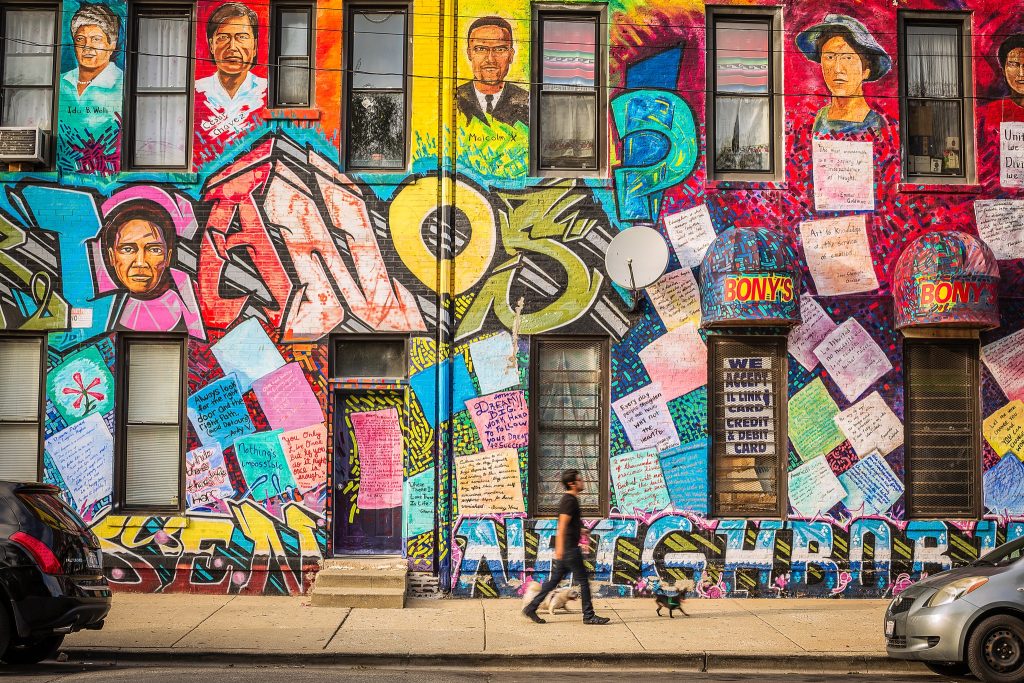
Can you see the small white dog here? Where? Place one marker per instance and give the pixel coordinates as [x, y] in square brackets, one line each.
[556, 599]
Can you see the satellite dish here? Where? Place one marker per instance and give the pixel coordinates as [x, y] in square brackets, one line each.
[636, 258]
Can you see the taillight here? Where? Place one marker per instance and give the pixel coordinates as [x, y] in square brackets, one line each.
[39, 551]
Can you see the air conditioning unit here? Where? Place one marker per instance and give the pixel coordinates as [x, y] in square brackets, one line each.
[21, 145]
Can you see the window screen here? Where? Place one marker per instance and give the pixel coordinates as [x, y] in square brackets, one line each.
[20, 364]
[743, 89]
[383, 358]
[292, 59]
[569, 402]
[27, 66]
[942, 450]
[153, 423]
[747, 381]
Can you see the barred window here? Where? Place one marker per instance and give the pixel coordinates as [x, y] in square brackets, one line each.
[569, 414]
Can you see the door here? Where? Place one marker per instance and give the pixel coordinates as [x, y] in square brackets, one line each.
[368, 456]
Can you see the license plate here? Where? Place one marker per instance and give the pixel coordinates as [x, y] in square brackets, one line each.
[890, 626]
[94, 559]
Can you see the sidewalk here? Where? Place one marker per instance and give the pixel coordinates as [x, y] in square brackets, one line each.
[802, 635]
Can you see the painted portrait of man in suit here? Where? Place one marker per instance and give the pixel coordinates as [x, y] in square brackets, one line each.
[491, 51]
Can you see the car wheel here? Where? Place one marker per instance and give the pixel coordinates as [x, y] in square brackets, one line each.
[32, 651]
[996, 650]
[5, 629]
[949, 669]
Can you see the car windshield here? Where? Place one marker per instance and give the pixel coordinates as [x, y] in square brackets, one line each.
[1008, 553]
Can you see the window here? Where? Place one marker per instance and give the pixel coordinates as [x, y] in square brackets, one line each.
[747, 385]
[376, 88]
[21, 366]
[569, 421]
[943, 449]
[151, 410]
[28, 68]
[568, 96]
[161, 84]
[742, 105]
[292, 60]
[935, 108]
[373, 357]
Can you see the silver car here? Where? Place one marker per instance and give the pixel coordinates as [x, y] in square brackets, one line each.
[965, 620]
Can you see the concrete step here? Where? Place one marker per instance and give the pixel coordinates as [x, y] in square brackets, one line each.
[371, 597]
[359, 578]
[367, 563]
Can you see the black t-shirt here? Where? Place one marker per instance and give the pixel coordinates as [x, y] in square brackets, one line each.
[570, 505]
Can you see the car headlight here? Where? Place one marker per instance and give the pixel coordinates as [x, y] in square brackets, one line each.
[956, 590]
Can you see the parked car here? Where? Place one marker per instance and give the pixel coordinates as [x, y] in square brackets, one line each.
[965, 620]
[51, 573]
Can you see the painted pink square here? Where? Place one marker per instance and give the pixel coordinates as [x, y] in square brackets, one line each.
[287, 399]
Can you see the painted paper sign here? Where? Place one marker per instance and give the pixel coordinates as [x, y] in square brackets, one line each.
[1004, 429]
[84, 456]
[639, 483]
[812, 427]
[645, 418]
[676, 298]
[263, 464]
[418, 505]
[1004, 358]
[678, 361]
[81, 385]
[685, 470]
[814, 488]
[489, 482]
[305, 450]
[870, 425]
[495, 363]
[1001, 226]
[1011, 153]
[843, 174]
[247, 353]
[871, 486]
[218, 413]
[812, 331]
[691, 233]
[379, 443]
[502, 420]
[424, 385]
[749, 395]
[853, 358]
[206, 478]
[287, 398]
[838, 255]
[1004, 486]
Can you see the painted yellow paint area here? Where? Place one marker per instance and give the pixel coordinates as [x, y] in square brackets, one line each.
[1004, 429]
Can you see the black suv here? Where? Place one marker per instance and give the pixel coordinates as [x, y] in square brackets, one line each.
[51, 573]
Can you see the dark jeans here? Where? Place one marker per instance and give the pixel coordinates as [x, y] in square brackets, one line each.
[571, 562]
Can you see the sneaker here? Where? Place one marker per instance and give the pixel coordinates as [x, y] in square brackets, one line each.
[532, 616]
[596, 620]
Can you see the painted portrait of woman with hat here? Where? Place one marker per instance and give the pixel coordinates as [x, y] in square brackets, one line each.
[850, 57]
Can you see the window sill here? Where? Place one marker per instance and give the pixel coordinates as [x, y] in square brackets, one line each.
[940, 188]
[345, 383]
[289, 114]
[138, 517]
[726, 185]
[47, 174]
[179, 177]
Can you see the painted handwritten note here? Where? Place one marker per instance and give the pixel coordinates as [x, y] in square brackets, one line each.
[676, 298]
[685, 469]
[853, 358]
[263, 464]
[871, 486]
[844, 178]
[501, 419]
[84, 456]
[815, 327]
[1004, 486]
[206, 478]
[812, 427]
[489, 482]
[838, 255]
[678, 361]
[218, 413]
[378, 435]
[418, 507]
[305, 449]
[1011, 154]
[1001, 226]
[814, 488]
[645, 418]
[691, 233]
[1004, 358]
[247, 353]
[870, 425]
[287, 398]
[495, 364]
[639, 483]
[1004, 429]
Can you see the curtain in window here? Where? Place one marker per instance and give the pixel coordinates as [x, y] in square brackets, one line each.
[933, 65]
[161, 108]
[28, 68]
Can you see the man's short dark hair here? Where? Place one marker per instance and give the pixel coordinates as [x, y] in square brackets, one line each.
[568, 477]
[231, 10]
[1008, 46]
[490, 21]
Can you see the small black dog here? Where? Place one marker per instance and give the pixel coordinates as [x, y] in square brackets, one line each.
[672, 600]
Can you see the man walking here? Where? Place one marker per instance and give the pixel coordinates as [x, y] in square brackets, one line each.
[568, 556]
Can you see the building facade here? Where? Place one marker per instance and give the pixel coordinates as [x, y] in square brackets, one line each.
[301, 279]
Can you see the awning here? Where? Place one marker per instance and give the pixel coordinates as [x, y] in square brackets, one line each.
[946, 278]
[750, 276]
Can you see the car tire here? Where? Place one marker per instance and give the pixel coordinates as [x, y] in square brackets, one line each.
[32, 650]
[995, 652]
[5, 628]
[956, 670]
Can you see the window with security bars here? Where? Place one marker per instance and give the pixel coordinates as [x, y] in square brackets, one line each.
[21, 361]
[747, 385]
[569, 406]
[942, 448]
[151, 444]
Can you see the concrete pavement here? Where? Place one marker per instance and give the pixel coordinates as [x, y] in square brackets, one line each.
[803, 635]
